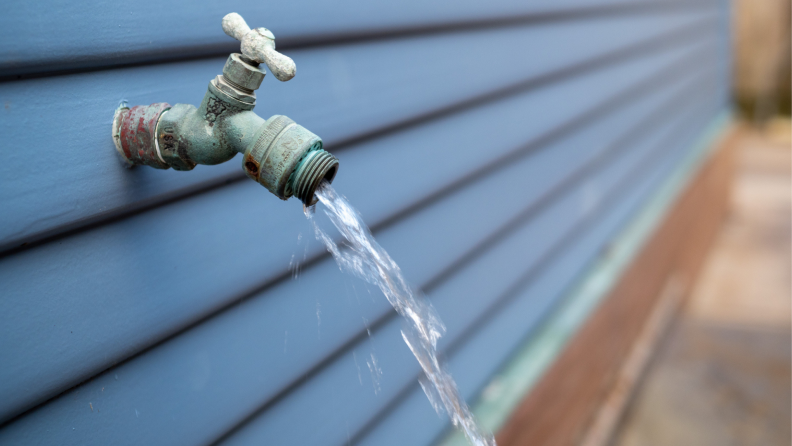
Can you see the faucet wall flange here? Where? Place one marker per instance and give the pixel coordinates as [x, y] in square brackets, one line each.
[134, 131]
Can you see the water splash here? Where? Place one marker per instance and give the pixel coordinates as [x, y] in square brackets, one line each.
[362, 256]
[318, 320]
[295, 264]
[368, 329]
[360, 376]
[376, 373]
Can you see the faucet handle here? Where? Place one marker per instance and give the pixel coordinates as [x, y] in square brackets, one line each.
[259, 45]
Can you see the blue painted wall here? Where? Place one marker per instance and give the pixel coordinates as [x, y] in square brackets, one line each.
[495, 148]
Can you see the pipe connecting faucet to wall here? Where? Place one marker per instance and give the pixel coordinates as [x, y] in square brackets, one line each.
[279, 154]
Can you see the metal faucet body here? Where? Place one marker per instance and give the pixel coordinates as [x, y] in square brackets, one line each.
[281, 155]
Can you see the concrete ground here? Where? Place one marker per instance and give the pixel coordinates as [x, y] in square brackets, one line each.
[722, 375]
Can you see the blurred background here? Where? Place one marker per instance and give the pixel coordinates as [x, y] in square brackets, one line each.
[762, 52]
[594, 195]
[722, 375]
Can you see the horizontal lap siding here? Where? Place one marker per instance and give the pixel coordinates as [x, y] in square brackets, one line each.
[343, 93]
[115, 320]
[344, 408]
[411, 420]
[168, 294]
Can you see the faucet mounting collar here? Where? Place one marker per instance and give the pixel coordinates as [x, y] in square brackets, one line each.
[134, 134]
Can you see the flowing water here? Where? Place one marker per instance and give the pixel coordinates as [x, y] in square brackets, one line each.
[362, 256]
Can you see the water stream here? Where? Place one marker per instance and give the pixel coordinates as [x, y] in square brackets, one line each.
[362, 256]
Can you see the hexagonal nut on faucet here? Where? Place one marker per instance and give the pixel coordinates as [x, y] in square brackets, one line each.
[242, 74]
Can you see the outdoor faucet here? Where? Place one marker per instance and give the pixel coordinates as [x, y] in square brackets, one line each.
[279, 154]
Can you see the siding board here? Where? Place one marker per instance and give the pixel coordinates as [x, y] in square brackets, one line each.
[344, 93]
[147, 30]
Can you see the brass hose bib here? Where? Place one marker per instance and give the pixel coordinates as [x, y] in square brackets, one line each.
[279, 154]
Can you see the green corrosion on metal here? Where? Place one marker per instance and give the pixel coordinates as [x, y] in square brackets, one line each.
[279, 154]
